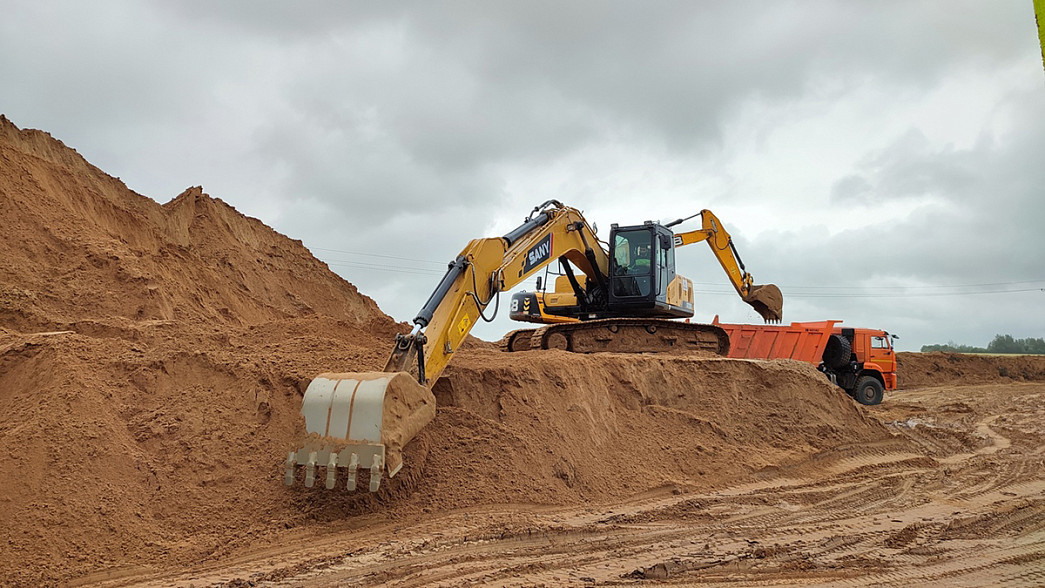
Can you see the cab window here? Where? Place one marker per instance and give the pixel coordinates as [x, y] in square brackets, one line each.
[666, 265]
[879, 342]
[633, 253]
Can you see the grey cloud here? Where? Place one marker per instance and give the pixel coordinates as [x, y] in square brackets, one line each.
[983, 229]
[851, 189]
[498, 75]
[395, 127]
[911, 168]
[285, 22]
[477, 83]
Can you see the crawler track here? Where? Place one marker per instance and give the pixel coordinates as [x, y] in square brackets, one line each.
[636, 335]
[517, 340]
[632, 336]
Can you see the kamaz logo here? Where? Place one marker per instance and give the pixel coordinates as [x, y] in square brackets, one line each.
[537, 254]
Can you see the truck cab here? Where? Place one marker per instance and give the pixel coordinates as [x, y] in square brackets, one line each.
[872, 354]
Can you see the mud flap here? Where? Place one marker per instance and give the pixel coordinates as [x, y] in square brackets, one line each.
[359, 420]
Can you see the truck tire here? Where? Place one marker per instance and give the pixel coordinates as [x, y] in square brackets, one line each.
[868, 391]
[837, 352]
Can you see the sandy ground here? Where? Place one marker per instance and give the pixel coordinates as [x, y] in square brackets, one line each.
[153, 359]
[955, 496]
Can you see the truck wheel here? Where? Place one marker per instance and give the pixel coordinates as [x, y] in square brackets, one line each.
[837, 352]
[868, 391]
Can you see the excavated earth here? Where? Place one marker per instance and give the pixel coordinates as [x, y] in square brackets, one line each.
[153, 359]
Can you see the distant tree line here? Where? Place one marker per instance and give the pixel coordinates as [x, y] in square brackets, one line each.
[1000, 344]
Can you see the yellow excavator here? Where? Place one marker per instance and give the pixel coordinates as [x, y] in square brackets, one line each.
[561, 305]
[620, 297]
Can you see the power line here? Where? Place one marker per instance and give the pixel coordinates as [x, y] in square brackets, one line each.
[788, 294]
[939, 287]
[919, 295]
[790, 290]
[858, 295]
[385, 265]
[442, 263]
[826, 287]
[380, 268]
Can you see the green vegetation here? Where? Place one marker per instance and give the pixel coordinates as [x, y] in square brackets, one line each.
[1000, 344]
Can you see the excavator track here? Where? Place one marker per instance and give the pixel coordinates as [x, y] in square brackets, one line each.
[623, 335]
[517, 340]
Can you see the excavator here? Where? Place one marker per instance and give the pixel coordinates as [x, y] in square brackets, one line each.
[617, 296]
[561, 305]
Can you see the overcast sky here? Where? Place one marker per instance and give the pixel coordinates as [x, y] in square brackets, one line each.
[882, 162]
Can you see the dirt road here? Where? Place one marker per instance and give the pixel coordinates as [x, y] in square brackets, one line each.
[956, 497]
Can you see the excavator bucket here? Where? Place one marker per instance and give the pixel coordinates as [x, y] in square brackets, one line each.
[767, 301]
[359, 420]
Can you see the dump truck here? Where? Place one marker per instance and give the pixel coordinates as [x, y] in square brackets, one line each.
[860, 361]
[622, 296]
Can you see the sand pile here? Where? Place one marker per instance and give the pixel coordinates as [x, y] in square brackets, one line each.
[152, 360]
[175, 342]
[937, 368]
[568, 427]
[80, 247]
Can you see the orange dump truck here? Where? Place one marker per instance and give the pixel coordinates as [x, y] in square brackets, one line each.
[860, 361]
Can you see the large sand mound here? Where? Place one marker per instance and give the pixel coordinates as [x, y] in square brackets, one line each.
[939, 369]
[591, 427]
[152, 360]
[80, 246]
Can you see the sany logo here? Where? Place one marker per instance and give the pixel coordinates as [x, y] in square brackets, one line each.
[540, 252]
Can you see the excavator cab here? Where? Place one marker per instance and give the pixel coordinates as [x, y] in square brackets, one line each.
[641, 280]
[642, 277]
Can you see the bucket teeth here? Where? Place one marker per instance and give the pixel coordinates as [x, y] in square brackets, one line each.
[331, 463]
[375, 474]
[288, 478]
[353, 466]
[332, 471]
[358, 420]
[310, 470]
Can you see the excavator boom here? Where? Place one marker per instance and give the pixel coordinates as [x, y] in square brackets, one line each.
[766, 299]
[361, 421]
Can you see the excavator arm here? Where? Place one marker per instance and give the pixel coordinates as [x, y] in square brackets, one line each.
[357, 421]
[487, 267]
[767, 299]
